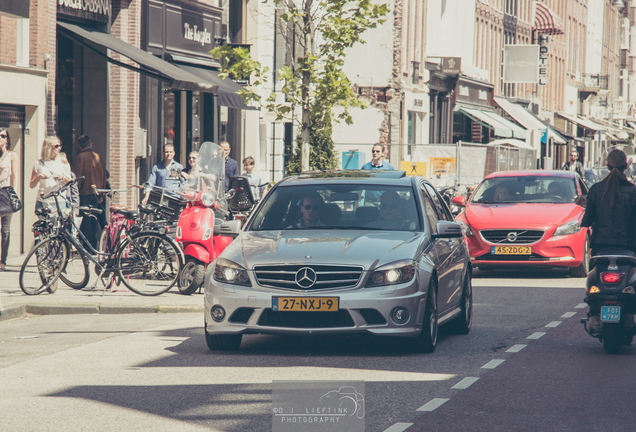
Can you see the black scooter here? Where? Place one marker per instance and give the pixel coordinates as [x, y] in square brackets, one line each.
[611, 298]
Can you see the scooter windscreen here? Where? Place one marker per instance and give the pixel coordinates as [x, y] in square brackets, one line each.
[206, 174]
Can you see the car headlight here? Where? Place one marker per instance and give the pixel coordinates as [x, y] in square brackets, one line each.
[567, 229]
[207, 199]
[393, 273]
[227, 271]
[465, 228]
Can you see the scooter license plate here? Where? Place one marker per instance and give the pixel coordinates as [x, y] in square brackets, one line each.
[610, 314]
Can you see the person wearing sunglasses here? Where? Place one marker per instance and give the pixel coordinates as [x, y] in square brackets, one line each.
[49, 173]
[377, 162]
[311, 210]
[391, 208]
[8, 177]
[573, 164]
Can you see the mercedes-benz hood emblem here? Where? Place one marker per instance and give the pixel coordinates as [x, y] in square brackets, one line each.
[305, 277]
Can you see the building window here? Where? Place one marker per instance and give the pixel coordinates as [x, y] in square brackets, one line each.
[22, 46]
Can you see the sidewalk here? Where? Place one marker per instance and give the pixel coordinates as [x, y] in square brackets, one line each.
[14, 303]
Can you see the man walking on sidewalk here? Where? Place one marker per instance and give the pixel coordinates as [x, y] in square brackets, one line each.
[89, 165]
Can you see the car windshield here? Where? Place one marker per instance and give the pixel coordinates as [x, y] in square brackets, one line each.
[338, 206]
[590, 177]
[525, 189]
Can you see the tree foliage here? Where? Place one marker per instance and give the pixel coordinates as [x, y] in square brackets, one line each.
[320, 32]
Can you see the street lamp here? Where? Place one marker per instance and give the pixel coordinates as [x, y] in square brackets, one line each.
[618, 4]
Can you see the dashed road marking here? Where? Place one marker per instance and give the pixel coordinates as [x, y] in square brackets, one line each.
[568, 315]
[465, 383]
[399, 427]
[554, 324]
[516, 348]
[493, 364]
[433, 404]
[581, 306]
[536, 335]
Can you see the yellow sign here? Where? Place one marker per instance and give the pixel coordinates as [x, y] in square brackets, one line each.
[441, 166]
[413, 168]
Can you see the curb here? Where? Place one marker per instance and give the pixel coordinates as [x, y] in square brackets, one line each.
[12, 312]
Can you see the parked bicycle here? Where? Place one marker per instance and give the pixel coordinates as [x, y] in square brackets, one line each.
[144, 258]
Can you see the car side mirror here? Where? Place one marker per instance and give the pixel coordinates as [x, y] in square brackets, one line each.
[459, 201]
[446, 229]
[581, 200]
[230, 228]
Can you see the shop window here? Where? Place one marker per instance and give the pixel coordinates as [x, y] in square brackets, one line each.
[169, 118]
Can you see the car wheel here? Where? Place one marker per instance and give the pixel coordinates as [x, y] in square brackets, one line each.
[427, 339]
[191, 276]
[224, 342]
[581, 271]
[464, 322]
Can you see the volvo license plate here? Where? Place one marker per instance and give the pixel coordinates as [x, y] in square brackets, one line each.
[610, 314]
[511, 250]
[305, 304]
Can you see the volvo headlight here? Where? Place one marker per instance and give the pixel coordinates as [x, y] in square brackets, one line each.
[567, 229]
[207, 198]
[227, 271]
[465, 228]
[393, 273]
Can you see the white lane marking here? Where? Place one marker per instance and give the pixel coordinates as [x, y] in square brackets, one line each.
[399, 427]
[536, 335]
[554, 324]
[568, 315]
[580, 306]
[465, 383]
[432, 405]
[493, 364]
[516, 348]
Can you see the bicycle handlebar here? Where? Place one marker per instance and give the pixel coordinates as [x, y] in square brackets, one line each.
[60, 189]
[91, 210]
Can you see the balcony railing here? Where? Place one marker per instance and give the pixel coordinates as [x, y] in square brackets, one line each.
[596, 80]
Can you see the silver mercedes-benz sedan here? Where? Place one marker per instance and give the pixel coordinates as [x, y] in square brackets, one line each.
[347, 252]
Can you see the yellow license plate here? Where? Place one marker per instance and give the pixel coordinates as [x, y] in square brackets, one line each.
[305, 304]
[511, 250]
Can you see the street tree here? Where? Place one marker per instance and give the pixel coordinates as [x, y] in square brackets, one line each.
[317, 35]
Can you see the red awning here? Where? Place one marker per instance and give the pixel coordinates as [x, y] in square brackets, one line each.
[546, 21]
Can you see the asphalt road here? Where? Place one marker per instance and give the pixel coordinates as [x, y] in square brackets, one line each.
[527, 364]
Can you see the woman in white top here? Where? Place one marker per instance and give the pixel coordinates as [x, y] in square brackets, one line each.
[8, 177]
[49, 173]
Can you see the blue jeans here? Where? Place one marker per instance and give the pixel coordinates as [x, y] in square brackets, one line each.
[92, 224]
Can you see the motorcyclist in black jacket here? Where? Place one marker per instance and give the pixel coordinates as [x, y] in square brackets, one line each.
[611, 208]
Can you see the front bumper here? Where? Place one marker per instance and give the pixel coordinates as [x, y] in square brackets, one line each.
[248, 310]
[562, 251]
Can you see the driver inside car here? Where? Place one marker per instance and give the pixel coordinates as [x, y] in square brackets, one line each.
[311, 210]
[555, 189]
[502, 194]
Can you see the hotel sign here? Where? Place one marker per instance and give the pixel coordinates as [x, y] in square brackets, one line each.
[92, 10]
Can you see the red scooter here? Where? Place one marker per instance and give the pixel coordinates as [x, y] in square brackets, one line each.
[199, 226]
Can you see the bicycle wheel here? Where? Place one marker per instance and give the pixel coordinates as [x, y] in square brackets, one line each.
[75, 272]
[149, 263]
[43, 265]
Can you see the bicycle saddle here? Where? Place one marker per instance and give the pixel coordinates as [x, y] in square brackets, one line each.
[128, 214]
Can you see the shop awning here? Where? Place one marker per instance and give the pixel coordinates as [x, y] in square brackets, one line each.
[546, 21]
[227, 93]
[587, 124]
[502, 128]
[148, 63]
[511, 142]
[527, 119]
[616, 130]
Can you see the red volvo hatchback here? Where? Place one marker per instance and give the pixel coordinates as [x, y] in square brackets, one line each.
[525, 219]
